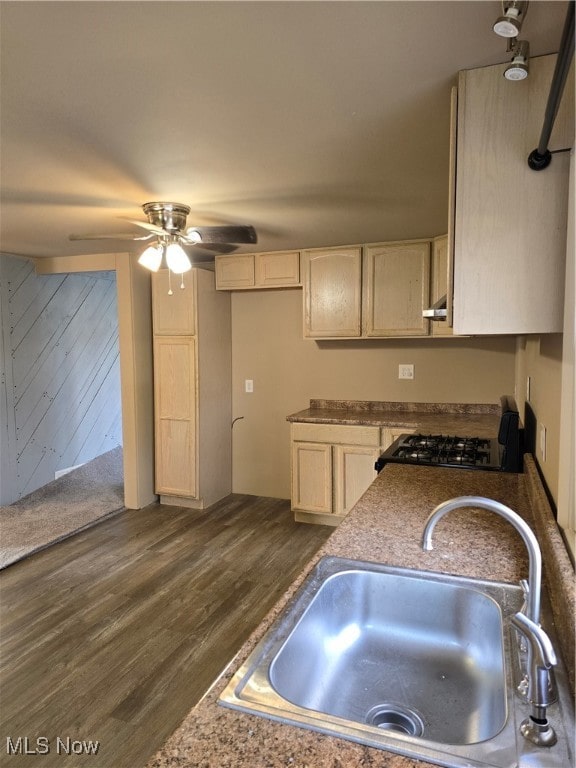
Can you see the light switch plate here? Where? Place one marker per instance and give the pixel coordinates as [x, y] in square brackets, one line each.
[249, 385]
[543, 442]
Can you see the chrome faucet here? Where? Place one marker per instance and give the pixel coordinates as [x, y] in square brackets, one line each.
[538, 682]
[534, 555]
[541, 659]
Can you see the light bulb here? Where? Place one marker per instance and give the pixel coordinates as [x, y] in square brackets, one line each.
[516, 71]
[510, 23]
[151, 258]
[177, 258]
[518, 67]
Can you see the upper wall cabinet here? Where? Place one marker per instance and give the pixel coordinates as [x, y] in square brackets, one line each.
[440, 280]
[396, 288]
[332, 279]
[510, 221]
[372, 291]
[279, 269]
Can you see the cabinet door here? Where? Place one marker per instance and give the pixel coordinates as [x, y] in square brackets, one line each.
[173, 313]
[278, 269]
[396, 288]
[353, 473]
[332, 291]
[511, 221]
[312, 477]
[235, 271]
[175, 415]
[439, 283]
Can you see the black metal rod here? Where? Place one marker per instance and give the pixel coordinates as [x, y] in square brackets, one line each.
[540, 157]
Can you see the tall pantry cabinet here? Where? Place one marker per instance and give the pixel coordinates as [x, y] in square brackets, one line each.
[192, 390]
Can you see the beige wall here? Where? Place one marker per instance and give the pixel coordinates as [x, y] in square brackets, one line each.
[540, 358]
[287, 370]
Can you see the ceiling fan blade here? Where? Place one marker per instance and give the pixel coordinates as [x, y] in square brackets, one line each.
[213, 248]
[109, 237]
[146, 225]
[239, 234]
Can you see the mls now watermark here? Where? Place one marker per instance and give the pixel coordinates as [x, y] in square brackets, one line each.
[42, 745]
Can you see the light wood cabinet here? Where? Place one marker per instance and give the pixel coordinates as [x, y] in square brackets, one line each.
[332, 280]
[396, 288]
[175, 415]
[233, 272]
[312, 478]
[278, 269]
[377, 290]
[192, 391]
[353, 473]
[332, 466]
[173, 313]
[440, 284]
[510, 221]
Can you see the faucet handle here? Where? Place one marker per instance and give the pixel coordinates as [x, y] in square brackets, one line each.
[539, 642]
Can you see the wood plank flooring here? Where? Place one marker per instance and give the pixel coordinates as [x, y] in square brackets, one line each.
[113, 635]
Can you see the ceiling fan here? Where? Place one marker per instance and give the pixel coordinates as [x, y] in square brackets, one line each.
[167, 225]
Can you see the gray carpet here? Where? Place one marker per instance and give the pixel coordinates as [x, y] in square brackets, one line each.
[63, 507]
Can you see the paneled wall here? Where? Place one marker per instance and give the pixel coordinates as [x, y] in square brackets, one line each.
[60, 369]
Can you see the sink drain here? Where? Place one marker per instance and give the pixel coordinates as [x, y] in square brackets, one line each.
[396, 718]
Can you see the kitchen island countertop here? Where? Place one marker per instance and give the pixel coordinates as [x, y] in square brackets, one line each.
[385, 526]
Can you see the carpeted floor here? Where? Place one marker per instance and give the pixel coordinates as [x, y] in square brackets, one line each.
[63, 507]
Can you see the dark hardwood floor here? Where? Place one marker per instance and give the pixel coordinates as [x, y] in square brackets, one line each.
[113, 635]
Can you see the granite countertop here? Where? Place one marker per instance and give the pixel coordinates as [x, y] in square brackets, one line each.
[465, 420]
[385, 526]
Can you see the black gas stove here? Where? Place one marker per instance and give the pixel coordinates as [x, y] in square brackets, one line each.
[502, 453]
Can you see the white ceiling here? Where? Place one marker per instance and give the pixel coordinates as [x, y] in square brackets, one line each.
[320, 123]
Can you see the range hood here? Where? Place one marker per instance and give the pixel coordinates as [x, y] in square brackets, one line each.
[437, 311]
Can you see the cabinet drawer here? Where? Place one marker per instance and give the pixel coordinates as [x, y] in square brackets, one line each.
[343, 434]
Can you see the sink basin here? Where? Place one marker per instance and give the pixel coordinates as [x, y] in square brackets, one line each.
[414, 662]
[401, 652]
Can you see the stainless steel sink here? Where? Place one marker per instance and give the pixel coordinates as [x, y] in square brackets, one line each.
[411, 661]
[401, 652]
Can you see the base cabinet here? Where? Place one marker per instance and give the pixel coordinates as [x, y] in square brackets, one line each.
[192, 391]
[332, 466]
[353, 473]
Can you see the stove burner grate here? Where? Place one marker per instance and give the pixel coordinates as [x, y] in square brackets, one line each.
[440, 449]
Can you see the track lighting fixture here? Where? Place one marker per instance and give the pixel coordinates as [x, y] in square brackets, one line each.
[510, 22]
[518, 67]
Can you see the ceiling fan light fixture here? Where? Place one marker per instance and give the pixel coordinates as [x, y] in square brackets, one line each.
[177, 259]
[193, 235]
[510, 22]
[151, 258]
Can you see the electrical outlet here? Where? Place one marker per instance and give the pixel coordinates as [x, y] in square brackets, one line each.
[249, 385]
[405, 371]
[543, 442]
